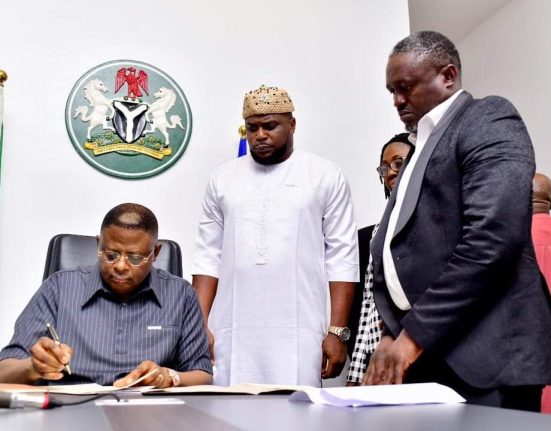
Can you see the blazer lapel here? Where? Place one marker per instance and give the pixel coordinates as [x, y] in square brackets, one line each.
[416, 179]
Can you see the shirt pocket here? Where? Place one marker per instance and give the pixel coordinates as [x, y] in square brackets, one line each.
[161, 341]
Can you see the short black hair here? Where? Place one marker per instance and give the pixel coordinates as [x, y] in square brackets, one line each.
[132, 216]
[404, 139]
[432, 46]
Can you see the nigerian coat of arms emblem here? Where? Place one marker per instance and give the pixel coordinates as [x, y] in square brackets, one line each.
[128, 119]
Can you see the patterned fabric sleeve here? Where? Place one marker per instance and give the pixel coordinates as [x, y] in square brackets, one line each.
[193, 346]
[31, 324]
[369, 331]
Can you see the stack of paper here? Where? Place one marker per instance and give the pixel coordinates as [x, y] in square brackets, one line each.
[358, 396]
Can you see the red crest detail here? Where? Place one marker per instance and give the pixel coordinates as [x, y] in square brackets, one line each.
[128, 75]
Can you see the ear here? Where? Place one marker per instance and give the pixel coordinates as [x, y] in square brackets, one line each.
[450, 74]
[157, 251]
[292, 124]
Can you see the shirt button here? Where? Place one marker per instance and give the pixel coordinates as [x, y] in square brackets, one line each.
[121, 329]
[124, 304]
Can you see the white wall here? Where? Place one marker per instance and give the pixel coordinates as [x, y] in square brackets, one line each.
[508, 55]
[329, 55]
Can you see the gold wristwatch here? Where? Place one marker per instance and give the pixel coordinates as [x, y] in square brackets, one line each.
[340, 331]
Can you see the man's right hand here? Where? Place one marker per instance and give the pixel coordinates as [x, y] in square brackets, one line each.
[392, 359]
[210, 337]
[205, 287]
[48, 358]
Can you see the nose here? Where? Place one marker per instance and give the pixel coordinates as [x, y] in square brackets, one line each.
[399, 100]
[121, 265]
[260, 134]
[390, 177]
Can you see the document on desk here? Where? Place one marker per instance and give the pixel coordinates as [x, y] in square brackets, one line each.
[242, 389]
[140, 401]
[82, 389]
[360, 396]
[79, 389]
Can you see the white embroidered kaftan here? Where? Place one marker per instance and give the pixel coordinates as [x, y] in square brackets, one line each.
[274, 236]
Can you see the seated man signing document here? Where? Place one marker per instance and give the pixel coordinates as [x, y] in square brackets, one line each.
[114, 322]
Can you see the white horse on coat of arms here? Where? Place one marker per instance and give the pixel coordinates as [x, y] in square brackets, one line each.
[101, 105]
[165, 100]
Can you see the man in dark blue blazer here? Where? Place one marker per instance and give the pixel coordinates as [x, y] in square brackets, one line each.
[455, 278]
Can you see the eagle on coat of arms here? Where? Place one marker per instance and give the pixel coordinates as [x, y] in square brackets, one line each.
[128, 75]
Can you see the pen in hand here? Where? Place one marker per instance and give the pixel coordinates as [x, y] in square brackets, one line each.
[55, 337]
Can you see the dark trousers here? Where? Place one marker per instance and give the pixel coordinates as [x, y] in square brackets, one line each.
[511, 397]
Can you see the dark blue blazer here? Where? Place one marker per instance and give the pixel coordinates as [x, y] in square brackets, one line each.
[463, 252]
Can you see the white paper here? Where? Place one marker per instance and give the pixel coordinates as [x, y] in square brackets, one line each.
[145, 376]
[140, 401]
[244, 388]
[88, 388]
[359, 396]
[81, 389]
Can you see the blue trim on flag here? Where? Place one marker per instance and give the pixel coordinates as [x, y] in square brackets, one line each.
[242, 147]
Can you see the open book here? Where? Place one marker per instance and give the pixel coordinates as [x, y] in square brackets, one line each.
[244, 388]
[92, 388]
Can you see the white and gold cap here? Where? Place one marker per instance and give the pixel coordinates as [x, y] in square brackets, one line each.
[267, 100]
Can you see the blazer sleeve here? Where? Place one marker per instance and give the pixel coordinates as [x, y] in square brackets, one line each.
[496, 164]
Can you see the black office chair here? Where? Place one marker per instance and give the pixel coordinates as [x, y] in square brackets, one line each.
[67, 251]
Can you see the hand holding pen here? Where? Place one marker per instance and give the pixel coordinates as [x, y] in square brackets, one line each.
[49, 357]
[55, 337]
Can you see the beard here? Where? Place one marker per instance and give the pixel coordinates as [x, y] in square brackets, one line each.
[279, 155]
[412, 128]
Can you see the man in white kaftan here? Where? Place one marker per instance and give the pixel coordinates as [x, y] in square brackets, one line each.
[276, 229]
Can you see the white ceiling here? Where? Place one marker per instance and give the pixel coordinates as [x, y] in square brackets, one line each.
[453, 18]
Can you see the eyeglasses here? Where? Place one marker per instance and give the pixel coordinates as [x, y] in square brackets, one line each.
[395, 165]
[109, 256]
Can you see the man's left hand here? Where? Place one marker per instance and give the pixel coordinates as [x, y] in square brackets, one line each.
[159, 379]
[334, 356]
[391, 360]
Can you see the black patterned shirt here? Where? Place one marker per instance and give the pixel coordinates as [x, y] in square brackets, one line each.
[369, 330]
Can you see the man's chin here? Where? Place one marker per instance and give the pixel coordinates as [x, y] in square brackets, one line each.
[122, 294]
[272, 157]
[263, 158]
[121, 286]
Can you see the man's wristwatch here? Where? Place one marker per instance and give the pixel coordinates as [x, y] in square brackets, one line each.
[174, 376]
[340, 331]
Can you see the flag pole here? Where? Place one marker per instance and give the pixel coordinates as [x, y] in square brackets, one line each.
[3, 78]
